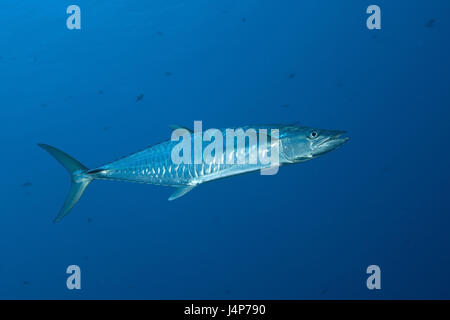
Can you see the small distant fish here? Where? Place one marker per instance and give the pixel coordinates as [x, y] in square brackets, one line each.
[25, 283]
[292, 76]
[27, 184]
[106, 128]
[140, 97]
[159, 33]
[100, 92]
[244, 19]
[89, 220]
[168, 73]
[285, 105]
[430, 23]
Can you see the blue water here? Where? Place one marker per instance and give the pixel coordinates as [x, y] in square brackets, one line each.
[308, 232]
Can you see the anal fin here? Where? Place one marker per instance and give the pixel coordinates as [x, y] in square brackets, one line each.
[181, 191]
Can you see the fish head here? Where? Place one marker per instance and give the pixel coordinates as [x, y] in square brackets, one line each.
[304, 143]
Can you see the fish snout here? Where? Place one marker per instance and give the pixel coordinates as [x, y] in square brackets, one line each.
[331, 140]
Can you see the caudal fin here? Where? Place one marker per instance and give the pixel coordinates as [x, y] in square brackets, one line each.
[79, 179]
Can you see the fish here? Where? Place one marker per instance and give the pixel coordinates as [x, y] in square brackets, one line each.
[155, 164]
[430, 23]
[140, 97]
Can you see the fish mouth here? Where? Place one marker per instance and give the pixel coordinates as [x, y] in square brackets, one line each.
[333, 141]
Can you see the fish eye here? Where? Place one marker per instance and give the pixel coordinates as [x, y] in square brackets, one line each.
[313, 134]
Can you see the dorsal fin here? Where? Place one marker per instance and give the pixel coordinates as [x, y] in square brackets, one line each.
[176, 126]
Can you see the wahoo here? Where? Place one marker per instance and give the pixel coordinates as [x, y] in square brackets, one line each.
[175, 163]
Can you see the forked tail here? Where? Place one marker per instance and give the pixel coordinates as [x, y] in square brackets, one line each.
[79, 179]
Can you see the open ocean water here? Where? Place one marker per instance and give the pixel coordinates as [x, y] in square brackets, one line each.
[308, 232]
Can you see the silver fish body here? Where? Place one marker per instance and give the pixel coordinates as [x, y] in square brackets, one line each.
[156, 165]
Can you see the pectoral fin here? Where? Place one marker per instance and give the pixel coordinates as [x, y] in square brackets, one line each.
[181, 191]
